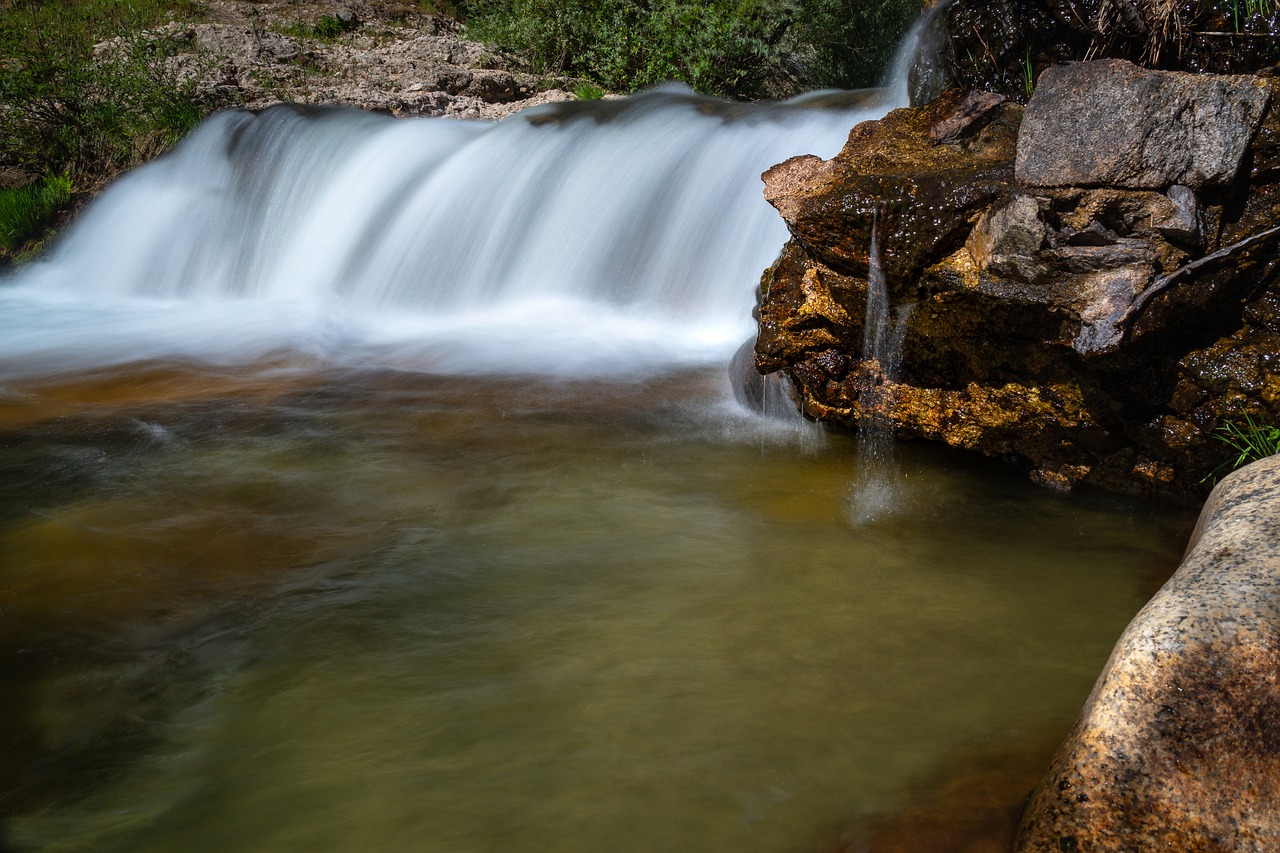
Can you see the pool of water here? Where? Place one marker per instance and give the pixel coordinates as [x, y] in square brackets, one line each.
[279, 609]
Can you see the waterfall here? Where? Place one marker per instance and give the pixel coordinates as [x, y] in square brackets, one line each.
[875, 491]
[919, 71]
[585, 238]
[578, 239]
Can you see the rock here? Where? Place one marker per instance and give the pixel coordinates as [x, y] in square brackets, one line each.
[897, 171]
[1008, 238]
[1178, 746]
[765, 395]
[1182, 222]
[1091, 335]
[1110, 123]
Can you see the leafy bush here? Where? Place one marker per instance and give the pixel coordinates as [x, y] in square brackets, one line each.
[28, 211]
[745, 48]
[64, 108]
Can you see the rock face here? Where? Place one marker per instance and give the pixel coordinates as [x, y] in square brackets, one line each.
[1111, 123]
[1096, 334]
[1178, 746]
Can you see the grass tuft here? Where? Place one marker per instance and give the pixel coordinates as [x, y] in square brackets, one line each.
[27, 212]
[1251, 441]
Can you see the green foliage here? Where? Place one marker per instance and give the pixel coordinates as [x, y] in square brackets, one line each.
[26, 212]
[65, 107]
[1251, 442]
[745, 48]
[851, 40]
[585, 91]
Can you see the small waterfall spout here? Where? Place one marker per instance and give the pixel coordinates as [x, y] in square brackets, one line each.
[876, 479]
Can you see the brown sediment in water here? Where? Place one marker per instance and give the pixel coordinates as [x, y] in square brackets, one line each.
[27, 402]
[973, 805]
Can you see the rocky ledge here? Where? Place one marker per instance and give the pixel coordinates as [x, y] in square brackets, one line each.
[378, 55]
[1178, 746]
[1093, 278]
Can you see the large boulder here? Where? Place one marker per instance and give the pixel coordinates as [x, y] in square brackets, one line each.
[1111, 123]
[1178, 746]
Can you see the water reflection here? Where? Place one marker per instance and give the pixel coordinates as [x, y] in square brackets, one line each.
[391, 611]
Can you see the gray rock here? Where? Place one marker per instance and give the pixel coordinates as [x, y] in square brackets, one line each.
[1182, 221]
[1101, 300]
[1178, 746]
[243, 45]
[1008, 238]
[1110, 123]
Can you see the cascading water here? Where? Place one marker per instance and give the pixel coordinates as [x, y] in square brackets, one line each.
[875, 490]
[584, 239]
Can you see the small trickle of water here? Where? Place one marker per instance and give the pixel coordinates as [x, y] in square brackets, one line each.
[876, 482]
[920, 71]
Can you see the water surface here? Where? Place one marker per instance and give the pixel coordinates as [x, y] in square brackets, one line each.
[290, 607]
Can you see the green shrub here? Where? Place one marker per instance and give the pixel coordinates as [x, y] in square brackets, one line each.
[744, 48]
[65, 109]
[27, 212]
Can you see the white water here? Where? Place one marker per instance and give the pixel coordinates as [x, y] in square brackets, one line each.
[595, 238]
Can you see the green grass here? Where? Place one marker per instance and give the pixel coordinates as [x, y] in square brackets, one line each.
[328, 28]
[1250, 442]
[585, 91]
[27, 212]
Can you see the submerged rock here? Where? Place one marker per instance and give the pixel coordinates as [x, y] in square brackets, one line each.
[1078, 331]
[1178, 746]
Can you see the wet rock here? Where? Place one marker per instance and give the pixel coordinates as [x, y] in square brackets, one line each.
[1090, 334]
[1182, 221]
[1178, 746]
[1111, 123]
[1008, 238]
[896, 171]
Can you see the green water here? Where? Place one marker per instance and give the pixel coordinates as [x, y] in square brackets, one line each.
[394, 612]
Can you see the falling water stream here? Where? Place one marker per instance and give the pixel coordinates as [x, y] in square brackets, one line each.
[376, 485]
[877, 484]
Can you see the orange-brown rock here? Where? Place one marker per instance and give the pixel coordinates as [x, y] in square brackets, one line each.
[920, 172]
[1178, 746]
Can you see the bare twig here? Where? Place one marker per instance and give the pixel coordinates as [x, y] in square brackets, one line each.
[1163, 283]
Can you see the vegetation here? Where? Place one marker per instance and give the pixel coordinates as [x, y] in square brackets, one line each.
[26, 212]
[1253, 441]
[327, 28]
[584, 91]
[744, 48]
[67, 109]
